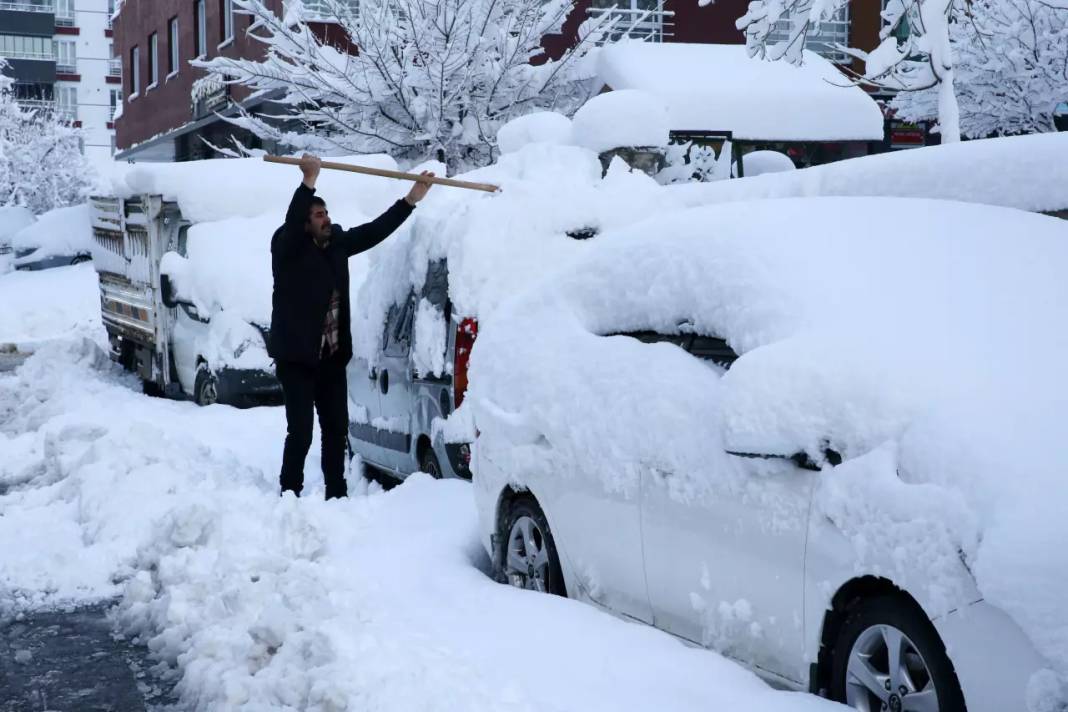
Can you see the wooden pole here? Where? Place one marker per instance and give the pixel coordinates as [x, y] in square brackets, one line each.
[487, 187]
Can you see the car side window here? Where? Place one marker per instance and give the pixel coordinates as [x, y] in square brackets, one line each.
[399, 328]
[706, 348]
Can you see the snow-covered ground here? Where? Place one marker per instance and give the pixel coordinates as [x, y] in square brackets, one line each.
[378, 602]
[51, 304]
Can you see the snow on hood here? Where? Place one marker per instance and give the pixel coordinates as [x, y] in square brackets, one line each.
[1025, 172]
[931, 347]
[223, 188]
[63, 231]
[496, 244]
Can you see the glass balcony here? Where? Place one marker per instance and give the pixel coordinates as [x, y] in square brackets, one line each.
[46, 6]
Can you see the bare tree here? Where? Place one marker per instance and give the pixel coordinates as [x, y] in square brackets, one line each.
[430, 78]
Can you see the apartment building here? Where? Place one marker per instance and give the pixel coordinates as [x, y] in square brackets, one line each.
[59, 53]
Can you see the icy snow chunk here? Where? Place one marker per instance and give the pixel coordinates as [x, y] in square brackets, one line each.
[539, 127]
[621, 118]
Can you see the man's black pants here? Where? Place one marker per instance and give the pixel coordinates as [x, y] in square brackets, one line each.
[323, 388]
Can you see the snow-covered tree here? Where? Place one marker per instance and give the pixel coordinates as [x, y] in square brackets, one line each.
[430, 78]
[41, 163]
[1012, 69]
[914, 54]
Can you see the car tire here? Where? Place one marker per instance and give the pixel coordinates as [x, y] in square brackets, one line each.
[205, 387]
[80, 259]
[429, 464]
[861, 674]
[528, 557]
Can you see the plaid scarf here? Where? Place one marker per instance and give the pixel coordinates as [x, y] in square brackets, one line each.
[330, 325]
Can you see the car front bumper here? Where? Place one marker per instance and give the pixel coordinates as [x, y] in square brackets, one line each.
[996, 663]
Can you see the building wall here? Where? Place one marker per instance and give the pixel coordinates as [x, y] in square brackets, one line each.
[91, 35]
[167, 106]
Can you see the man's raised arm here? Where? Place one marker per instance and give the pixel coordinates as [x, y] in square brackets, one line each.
[300, 205]
[362, 238]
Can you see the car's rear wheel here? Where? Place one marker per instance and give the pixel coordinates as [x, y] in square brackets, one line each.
[530, 559]
[889, 658]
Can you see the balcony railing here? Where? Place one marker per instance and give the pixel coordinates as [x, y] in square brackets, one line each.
[64, 68]
[65, 20]
[25, 6]
[115, 67]
[42, 105]
[47, 55]
[654, 25]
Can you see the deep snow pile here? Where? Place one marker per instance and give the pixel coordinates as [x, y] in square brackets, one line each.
[57, 303]
[935, 351]
[260, 603]
[1025, 172]
[63, 231]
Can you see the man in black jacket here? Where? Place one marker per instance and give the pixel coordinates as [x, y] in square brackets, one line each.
[311, 338]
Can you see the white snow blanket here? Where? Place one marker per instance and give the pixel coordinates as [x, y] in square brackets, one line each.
[63, 231]
[930, 355]
[257, 603]
[1026, 172]
[13, 219]
[709, 87]
[52, 304]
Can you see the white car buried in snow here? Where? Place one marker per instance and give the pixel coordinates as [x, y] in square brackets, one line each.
[826, 444]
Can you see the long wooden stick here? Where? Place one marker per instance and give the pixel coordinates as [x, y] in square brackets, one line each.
[487, 187]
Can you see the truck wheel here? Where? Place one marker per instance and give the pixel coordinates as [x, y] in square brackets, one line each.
[206, 387]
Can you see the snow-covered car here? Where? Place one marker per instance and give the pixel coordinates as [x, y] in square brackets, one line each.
[58, 238]
[416, 316]
[828, 445]
[12, 220]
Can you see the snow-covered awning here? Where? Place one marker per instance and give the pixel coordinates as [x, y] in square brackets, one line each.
[710, 87]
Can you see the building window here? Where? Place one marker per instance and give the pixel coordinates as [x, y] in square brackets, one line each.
[23, 47]
[153, 59]
[202, 28]
[172, 42]
[226, 9]
[116, 101]
[135, 71]
[66, 56]
[826, 39]
[65, 13]
[67, 103]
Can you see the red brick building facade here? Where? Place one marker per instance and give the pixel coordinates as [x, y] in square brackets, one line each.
[156, 39]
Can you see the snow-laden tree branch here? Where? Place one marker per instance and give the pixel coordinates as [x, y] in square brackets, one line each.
[914, 53]
[1011, 68]
[430, 79]
[41, 163]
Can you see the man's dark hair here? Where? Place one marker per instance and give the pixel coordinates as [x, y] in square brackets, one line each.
[316, 200]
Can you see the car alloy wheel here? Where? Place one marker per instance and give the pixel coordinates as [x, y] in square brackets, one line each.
[887, 672]
[527, 556]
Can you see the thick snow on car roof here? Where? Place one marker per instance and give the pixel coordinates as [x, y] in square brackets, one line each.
[63, 231]
[223, 188]
[1025, 172]
[720, 88]
[927, 350]
[496, 244]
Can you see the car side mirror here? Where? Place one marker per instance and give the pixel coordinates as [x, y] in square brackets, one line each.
[167, 292]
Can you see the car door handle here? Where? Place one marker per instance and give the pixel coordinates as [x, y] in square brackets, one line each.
[383, 381]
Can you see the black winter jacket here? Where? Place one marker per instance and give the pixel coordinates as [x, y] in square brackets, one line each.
[306, 275]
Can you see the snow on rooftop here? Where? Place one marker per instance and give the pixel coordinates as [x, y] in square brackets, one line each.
[710, 87]
[1025, 172]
